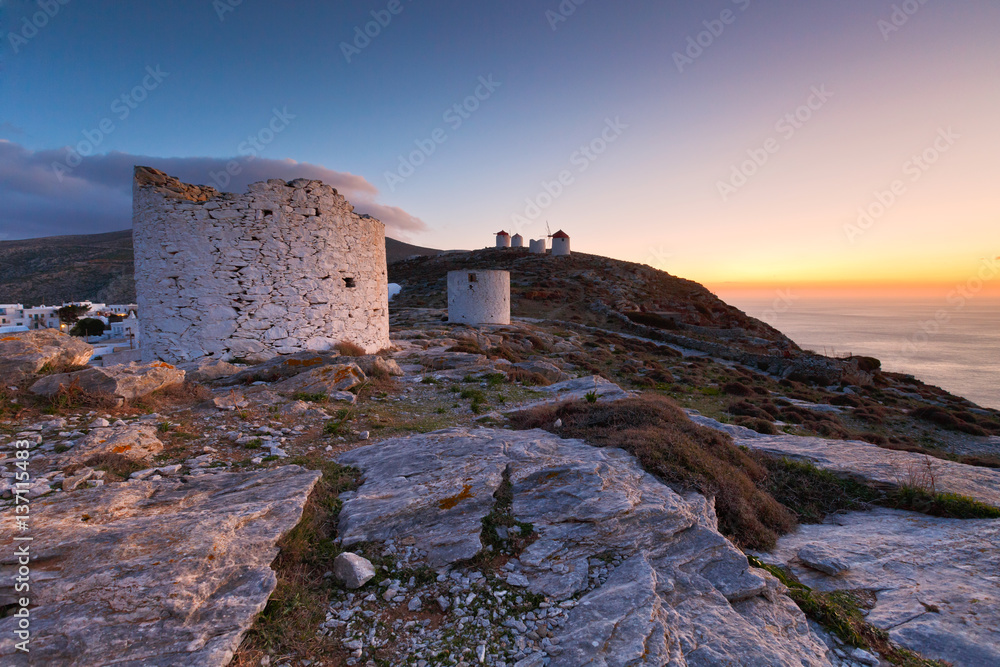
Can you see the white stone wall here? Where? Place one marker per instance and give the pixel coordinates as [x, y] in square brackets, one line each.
[537, 246]
[479, 297]
[284, 268]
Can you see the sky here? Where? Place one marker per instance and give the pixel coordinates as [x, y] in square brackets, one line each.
[738, 143]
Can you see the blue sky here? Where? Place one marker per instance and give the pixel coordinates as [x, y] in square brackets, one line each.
[651, 195]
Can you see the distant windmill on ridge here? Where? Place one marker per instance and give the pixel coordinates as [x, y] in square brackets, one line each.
[560, 241]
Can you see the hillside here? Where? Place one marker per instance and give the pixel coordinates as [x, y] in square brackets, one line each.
[56, 269]
[96, 267]
[585, 288]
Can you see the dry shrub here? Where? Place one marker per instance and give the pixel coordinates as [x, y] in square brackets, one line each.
[378, 383]
[543, 295]
[661, 376]
[504, 351]
[737, 389]
[348, 349]
[184, 394]
[681, 453]
[846, 400]
[527, 378]
[56, 369]
[871, 412]
[747, 409]
[537, 343]
[961, 420]
[116, 465]
[73, 396]
[468, 346]
[760, 425]
[8, 409]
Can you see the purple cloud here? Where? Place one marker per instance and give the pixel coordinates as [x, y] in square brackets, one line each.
[96, 196]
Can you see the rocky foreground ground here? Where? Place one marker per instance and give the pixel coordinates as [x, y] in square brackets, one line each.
[159, 499]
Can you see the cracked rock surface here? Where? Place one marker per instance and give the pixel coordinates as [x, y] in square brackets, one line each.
[166, 572]
[937, 581]
[676, 591]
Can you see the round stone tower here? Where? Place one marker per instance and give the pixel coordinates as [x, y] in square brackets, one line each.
[503, 239]
[537, 246]
[560, 244]
[479, 297]
[516, 241]
[284, 268]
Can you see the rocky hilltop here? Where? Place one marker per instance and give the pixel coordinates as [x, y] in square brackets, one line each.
[632, 472]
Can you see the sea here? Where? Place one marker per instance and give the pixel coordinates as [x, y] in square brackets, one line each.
[951, 343]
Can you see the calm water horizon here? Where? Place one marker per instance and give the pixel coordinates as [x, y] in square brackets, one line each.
[955, 346]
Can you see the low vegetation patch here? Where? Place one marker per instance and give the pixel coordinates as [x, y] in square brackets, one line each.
[310, 398]
[503, 537]
[527, 378]
[840, 613]
[287, 626]
[812, 494]
[72, 397]
[348, 349]
[955, 420]
[654, 320]
[185, 394]
[946, 505]
[478, 400]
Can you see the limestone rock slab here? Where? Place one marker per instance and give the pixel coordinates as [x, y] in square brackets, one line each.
[134, 441]
[937, 581]
[154, 573]
[578, 388]
[208, 369]
[683, 595]
[280, 368]
[325, 380]
[27, 352]
[125, 381]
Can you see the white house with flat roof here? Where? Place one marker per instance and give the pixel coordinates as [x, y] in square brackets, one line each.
[11, 314]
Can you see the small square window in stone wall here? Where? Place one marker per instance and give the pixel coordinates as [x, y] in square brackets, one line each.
[349, 282]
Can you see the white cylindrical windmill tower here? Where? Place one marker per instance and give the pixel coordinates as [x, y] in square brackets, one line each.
[537, 246]
[503, 239]
[479, 297]
[517, 241]
[560, 243]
